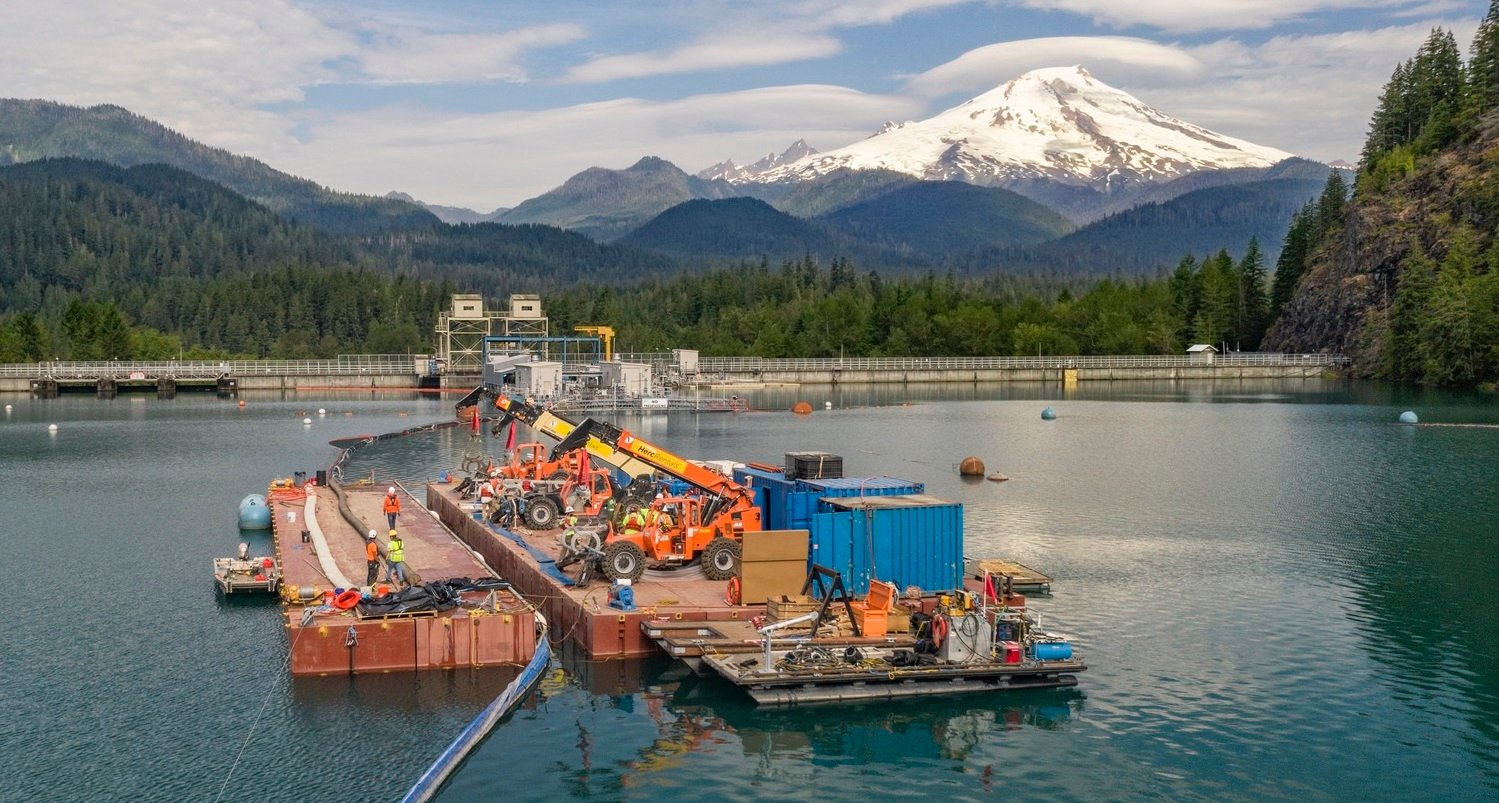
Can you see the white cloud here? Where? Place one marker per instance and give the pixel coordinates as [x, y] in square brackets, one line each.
[1311, 95]
[410, 55]
[865, 12]
[763, 34]
[985, 67]
[710, 53]
[503, 158]
[1210, 15]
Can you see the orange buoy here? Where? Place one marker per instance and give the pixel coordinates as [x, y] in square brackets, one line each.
[242, 402]
[801, 408]
[971, 467]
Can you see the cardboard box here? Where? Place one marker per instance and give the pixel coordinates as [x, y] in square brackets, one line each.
[768, 545]
[761, 581]
[772, 563]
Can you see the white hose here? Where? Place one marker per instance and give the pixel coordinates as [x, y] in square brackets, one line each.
[324, 557]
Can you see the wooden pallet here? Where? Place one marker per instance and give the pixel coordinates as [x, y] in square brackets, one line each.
[1022, 577]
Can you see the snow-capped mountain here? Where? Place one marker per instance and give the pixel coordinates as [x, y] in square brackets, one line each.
[1057, 125]
[730, 172]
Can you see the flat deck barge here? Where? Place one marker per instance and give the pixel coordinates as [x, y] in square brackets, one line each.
[582, 614]
[489, 628]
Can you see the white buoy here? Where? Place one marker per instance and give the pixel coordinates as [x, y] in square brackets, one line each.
[321, 411]
[8, 408]
[827, 405]
[51, 427]
[307, 421]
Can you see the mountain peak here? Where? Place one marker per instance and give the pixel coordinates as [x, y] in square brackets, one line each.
[1058, 124]
[734, 174]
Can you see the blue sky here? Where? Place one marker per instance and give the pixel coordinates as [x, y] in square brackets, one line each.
[482, 104]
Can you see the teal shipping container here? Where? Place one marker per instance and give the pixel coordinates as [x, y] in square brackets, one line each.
[805, 499]
[908, 540]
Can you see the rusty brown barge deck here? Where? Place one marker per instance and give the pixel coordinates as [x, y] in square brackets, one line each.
[583, 615]
[489, 628]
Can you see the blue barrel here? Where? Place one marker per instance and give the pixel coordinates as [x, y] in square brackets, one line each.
[254, 514]
[1053, 651]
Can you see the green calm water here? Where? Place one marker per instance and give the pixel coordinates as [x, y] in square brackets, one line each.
[1280, 592]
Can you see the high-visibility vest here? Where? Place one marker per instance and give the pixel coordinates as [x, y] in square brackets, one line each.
[635, 520]
[392, 503]
[393, 551]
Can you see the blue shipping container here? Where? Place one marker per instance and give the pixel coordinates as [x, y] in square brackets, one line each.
[910, 540]
[770, 495]
[861, 486]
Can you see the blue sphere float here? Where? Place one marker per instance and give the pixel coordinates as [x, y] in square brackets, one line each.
[1409, 417]
[1048, 414]
[254, 514]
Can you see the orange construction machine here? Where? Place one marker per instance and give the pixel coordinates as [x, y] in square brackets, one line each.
[681, 529]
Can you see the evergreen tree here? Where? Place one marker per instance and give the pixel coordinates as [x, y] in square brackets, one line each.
[1437, 87]
[1253, 307]
[1293, 258]
[1405, 360]
[1483, 64]
[1213, 322]
[1445, 328]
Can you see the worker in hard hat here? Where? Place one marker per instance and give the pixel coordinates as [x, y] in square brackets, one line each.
[372, 558]
[634, 522]
[392, 507]
[395, 558]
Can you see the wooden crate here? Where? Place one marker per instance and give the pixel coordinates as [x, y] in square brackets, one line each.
[789, 606]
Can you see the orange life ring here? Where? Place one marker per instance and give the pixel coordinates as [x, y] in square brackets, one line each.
[731, 593]
[939, 630]
[348, 599]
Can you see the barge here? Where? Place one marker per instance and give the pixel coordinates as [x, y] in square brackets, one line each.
[337, 625]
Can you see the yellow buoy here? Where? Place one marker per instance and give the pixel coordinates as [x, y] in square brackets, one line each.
[971, 467]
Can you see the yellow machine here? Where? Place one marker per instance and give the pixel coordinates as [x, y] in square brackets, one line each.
[604, 333]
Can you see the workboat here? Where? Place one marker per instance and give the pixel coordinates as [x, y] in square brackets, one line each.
[244, 574]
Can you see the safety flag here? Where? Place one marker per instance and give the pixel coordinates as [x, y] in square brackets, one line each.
[476, 418]
[510, 436]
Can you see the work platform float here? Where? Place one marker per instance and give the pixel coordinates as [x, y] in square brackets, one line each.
[490, 626]
[582, 614]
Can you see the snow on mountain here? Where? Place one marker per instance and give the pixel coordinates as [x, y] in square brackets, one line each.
[1059, 124]
[734, 174]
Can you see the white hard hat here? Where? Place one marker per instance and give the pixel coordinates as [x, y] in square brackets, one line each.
[391, 490]
[371, 535]
[569, 509]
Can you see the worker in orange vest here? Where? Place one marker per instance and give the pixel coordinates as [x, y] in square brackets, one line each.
[392, 506]
[372, 558]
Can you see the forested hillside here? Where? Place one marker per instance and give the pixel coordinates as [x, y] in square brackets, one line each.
[36, 129]
[1405, 275]
[151, 262]
[804, 309]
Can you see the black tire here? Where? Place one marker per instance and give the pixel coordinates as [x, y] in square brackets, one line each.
[721, 558]
[541, 513]
[623, 561]
[560, 474]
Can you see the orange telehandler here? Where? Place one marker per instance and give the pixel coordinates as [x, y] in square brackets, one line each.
[678, 529]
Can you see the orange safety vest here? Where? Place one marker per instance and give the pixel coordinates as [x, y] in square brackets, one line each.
[392, 504]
